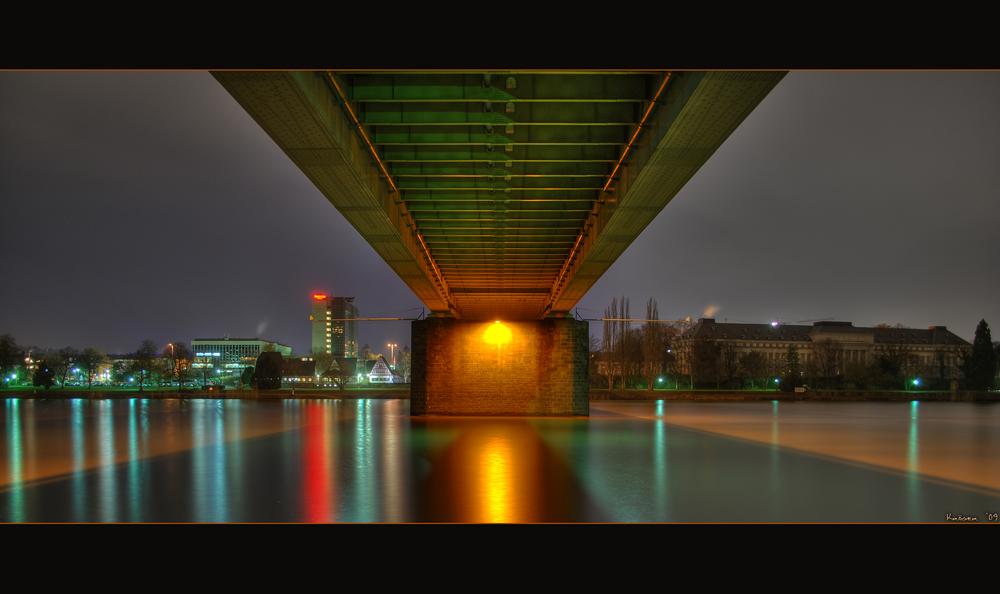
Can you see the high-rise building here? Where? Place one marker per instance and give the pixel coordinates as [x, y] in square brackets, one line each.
[335, 325]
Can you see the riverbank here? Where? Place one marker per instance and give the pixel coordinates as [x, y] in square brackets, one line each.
[596, 395]
[810, 396]
[166, 394]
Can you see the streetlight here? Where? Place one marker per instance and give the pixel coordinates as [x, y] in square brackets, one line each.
[392, 353]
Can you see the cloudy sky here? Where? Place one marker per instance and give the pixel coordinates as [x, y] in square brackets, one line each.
[150, 206]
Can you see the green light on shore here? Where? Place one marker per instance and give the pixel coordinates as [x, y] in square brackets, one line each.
[916, 382]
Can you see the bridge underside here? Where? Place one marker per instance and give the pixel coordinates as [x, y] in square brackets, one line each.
[499, 195]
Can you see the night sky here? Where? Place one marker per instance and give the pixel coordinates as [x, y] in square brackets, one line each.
[150, 206]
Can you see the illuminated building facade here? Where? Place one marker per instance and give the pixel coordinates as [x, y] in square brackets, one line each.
[380, 373]
[931, 349]
[335, 325]
[231, 353]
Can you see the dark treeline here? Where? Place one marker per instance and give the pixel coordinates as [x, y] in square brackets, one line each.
[141, 368]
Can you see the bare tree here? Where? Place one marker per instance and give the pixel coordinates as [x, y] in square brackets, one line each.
[91, 360]
[729, 358]
[705, 361]
[754, 367]
[177, 361]
[343, 371]
[609, 343]
[143, 361]
[404, 364]
[62, 363]
[828, 354]
[652, 344]
[625, 353]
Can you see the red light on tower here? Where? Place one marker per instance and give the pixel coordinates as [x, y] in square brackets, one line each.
[319, 297]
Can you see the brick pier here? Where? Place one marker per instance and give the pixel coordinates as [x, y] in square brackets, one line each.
[536, 368]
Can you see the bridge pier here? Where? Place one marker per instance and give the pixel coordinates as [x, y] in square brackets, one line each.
[528, 368]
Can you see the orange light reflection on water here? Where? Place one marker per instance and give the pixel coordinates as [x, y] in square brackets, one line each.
[496, 481]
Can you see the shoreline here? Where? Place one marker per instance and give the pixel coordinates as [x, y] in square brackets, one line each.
[596, 395]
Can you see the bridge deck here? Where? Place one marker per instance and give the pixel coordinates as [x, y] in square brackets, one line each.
[500, 199]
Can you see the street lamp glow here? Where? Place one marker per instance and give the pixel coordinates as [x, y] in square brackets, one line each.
[916, 382]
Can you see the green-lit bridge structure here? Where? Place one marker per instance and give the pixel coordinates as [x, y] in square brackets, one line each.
[499, 195]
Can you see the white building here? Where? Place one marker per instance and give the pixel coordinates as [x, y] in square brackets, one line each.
[232, 353]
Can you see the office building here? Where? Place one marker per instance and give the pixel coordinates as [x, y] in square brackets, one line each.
[232, 353]
[335, 325]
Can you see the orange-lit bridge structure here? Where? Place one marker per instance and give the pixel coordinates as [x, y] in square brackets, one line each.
[498, 195]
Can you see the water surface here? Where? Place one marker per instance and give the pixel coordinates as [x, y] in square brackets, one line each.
[369, 461]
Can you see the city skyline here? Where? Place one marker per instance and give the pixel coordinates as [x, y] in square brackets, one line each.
[150, 206]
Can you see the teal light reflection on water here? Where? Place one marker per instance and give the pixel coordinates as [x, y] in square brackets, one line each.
[661, 495]
[78, 432]
[350, 460]
[15, 459]
[134, 462]
[106, 448]
[913, 461]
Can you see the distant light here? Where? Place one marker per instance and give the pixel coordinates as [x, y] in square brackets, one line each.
[661, 379]
[775, 381]
[774, 323]
[916, 382]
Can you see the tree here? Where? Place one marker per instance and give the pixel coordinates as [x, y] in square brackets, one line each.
[62, 363]
[44, 376]
[91, 360]
[214, 363]
[754, 367]
[609, 343]
[121, 370]
[729, 358]
[890, 361]
[594, 360]
[792, 377]
[324, 360]
[996, 347]
[625, 350]
[143, 361]
[246, 379]
[981, 369]
[704, 361]
[178, 359]
[827, 354]
[267, 373]
[10, 356]
[404, 364]
[343, 370]
[652, 344]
